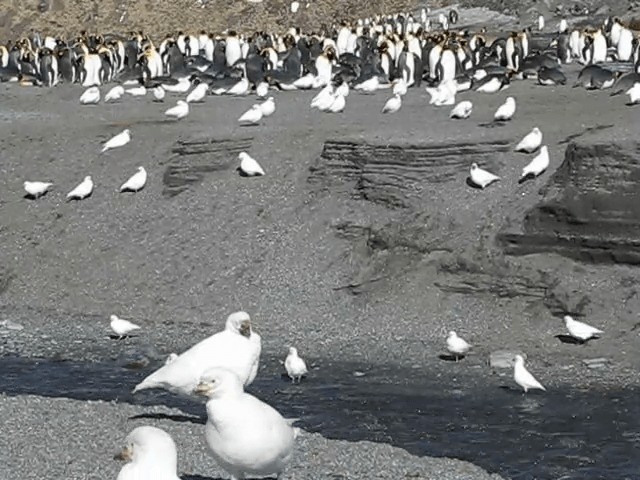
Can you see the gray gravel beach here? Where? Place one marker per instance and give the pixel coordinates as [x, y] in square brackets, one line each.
[363, 244]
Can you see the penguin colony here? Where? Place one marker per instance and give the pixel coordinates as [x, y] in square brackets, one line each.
[395, 52]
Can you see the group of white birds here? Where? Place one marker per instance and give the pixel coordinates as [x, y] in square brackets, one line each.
[529, 144]
[579, 331]
[245, 435]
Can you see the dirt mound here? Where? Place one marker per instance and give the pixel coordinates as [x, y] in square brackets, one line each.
[67, 17]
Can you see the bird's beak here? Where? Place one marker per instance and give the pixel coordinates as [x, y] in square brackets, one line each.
[245, 328]
[202, 389]
[126, 454]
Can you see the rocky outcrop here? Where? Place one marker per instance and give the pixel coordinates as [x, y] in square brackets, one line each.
[394, 175]
[590, 210]
[193, 159]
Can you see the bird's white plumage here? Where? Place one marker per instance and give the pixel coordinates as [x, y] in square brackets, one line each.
[181, 110]
[462, 109]
[245, 436]
[159, 93]
[634, 93]
[122, 327]
[262, 90]
[151, 454]
[36, 189]
[240, 88]
[530, 142]
[91, 96]
[236, 348]
[481, 178]
[323, 99]
[294, 365]
[456, 345]
[492, 85]
[506, 110]
[140, 91]
[82, 191]
[580, 330]
[393, 104]
[338, 104]
[538, 165]
[120, 140]
[268, 107]
[198, 93]
[343, 89]
[368, 86]
[249, 166]
[399, 87]
[114, 94]
[522, 376]
[182, 86]
[251, 116]
[136, 182]
[443, 94]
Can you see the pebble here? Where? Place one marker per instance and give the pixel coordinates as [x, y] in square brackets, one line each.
[595, 362]
[9, 325]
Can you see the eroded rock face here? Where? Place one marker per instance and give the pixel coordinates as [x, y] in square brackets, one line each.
[590, 210]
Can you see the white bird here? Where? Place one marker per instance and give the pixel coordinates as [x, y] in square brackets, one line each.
[181, 86]
[480, 177]
[249, 166]
[540, 23]
[506, 110]
[522, 376]
[456, 345]
[305, 82]
[82, 191]
[492, 85]
[580, 330]
[36, 189]
[462, 110]
[338, 104]
[240, 88]
[114, 94]
[236, 348]
[295, 365]
[140, 91]
[120, 140]
[181, 110]
[538, 165]
[262, 90]
[443, 94]
[393, 104]
[323, 99]
[399, 87]
[268, 107]
[368, 86]
[530, 142]
[171, 358]
[158, 93]
[295, 6]
[150, 454]
[91, 96]
[343, 89]
[198, 93]
[136, 182]
[634, 93]
[246, 436]
[251, 116]
[122, 327]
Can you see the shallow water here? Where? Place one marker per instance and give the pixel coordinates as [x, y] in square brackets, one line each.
[552, 435]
